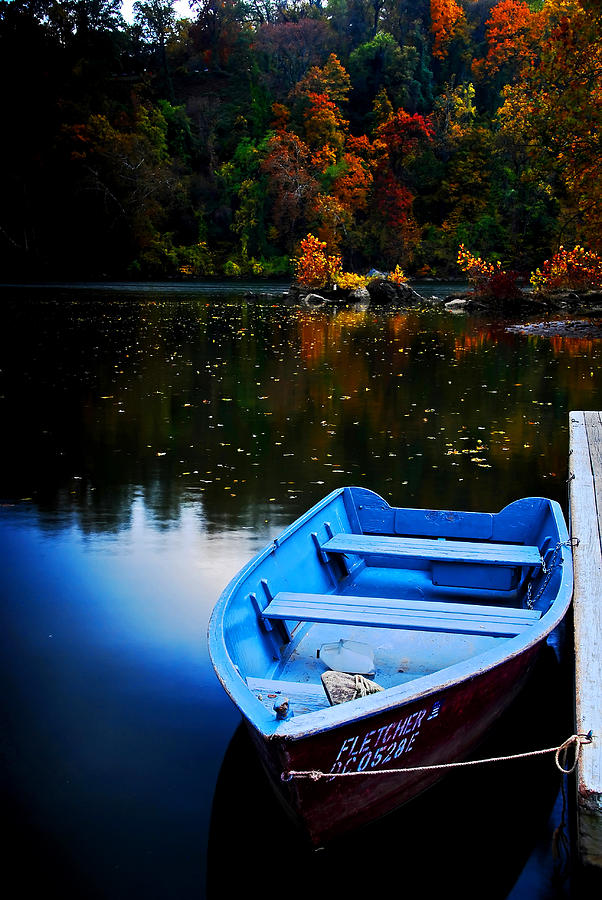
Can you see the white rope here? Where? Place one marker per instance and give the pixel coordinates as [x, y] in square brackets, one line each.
[576, 741]
[364, 687]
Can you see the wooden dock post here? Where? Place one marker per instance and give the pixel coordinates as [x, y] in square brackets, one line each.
[585, 501]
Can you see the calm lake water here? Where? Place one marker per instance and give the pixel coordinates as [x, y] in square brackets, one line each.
[155, 437]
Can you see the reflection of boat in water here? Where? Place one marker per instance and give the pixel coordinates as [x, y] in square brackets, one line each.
[473, 832]
[453, 608]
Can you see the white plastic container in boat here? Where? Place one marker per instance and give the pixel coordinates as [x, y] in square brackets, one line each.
[348, 656]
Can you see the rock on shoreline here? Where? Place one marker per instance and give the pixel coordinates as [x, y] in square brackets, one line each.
[378, 290]
[559, 300]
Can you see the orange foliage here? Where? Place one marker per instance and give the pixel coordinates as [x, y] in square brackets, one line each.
[353, 185]
[332, 80]
[314, 268]
[477, 270]
[447, 23]
[489, 279]
[555, 110]
[334, 218]
[397, 276]
[512, 37]
[575, 269]
[324, 123]
[281, 116]
[322, 158]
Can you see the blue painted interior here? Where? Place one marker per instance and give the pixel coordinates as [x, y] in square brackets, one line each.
[298, 594]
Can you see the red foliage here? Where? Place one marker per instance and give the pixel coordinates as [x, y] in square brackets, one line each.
[404, 134]
[394, 200]
[576, 269]
[352, 187]
[291, 184]
[489, 279]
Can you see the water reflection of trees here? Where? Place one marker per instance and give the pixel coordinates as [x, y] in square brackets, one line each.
[247, 408]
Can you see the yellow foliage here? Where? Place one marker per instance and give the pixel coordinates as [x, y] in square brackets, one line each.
[351, 281]
[397, 275]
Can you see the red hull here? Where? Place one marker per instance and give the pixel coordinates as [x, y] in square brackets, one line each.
[443, 726]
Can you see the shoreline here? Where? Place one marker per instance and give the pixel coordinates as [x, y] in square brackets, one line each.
[380, 291]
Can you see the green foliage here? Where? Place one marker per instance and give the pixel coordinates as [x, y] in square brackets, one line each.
[232, 269]
[180, 137]
[381, 64]
[161, 258]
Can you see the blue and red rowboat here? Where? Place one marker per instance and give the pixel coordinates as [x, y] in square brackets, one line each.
[446, 609]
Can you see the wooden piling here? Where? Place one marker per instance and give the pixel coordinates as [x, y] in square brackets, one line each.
[585, 501]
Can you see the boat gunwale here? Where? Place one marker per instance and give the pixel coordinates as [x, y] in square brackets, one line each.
[329, 718]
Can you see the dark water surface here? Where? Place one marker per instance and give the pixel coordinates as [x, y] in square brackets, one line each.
[153, 438]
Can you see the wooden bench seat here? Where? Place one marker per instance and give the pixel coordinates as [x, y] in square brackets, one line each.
[417, 615]
[475, 552]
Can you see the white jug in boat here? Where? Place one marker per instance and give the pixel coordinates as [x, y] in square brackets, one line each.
[348, 656]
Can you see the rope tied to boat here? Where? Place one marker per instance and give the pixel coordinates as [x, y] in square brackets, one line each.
[576, 741]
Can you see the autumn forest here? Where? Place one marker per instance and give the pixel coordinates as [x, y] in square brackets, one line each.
[395, 131]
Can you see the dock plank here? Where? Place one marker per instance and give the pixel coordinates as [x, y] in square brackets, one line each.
[585, 497]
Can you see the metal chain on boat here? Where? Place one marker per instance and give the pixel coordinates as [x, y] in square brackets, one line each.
[548, 569]
[560, 754]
